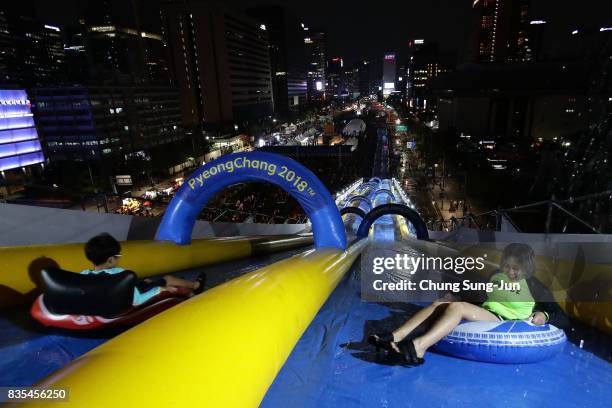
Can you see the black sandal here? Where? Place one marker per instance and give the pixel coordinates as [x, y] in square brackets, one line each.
[202, 279]
[407, 349]
[382, 341]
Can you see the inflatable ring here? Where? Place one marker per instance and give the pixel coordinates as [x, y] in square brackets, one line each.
[507, 342]
[132, 316]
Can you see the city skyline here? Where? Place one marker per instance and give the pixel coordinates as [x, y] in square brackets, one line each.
[402, 22]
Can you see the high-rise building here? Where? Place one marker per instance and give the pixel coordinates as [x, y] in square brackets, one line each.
[6, 48]
[119, 47]
[501, 30]
[425, 62]
[31, 52]
[221, 65]
[76, 67]
[389, 73]
[316, 59]
[287, 56]
[335, 77]
[365, 80]
[92, 123]
[351, 81]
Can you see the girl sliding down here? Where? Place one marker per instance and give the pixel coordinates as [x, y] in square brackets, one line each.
[517, 265]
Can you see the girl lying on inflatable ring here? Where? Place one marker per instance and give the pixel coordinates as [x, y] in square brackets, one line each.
[517, 263]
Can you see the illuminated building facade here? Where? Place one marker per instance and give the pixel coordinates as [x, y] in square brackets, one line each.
[20, 147]
[19, 144]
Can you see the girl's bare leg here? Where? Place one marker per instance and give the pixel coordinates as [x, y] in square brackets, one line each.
[400, 333]
[454, 313]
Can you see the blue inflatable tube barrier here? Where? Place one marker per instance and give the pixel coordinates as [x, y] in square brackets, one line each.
[291, 176]
[507, 342]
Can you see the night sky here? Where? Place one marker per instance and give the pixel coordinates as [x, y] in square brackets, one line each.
[358, 30]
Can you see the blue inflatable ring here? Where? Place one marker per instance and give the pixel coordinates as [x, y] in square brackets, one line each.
[507, 342]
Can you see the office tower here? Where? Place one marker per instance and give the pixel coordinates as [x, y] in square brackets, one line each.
[221, 65]
[351, 81]
[425, 62]
[365, 85]
[316, 59]
[335, 77]
[122, 45]
[389, 73]
[501, 31]
[97, 122]
[287, 56]
[31, 52]
[76, 67]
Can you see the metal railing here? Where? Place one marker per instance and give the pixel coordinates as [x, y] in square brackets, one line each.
[256, 216]
[492, 220]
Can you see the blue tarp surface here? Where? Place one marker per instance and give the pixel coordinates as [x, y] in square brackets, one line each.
[324, 371]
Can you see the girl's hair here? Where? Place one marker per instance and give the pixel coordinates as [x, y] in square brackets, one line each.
[523, 254]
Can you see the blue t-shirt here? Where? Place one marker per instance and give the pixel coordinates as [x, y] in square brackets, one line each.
[139, 298]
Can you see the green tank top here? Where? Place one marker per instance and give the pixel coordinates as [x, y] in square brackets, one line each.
[511, 303]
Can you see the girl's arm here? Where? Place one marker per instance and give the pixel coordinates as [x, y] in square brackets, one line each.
[546, 304]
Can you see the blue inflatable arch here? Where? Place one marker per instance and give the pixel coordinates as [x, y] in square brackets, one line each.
[384, 190]
[295, 179]
[395, 209]
[363, 199]
[369, 184]
[353, 210]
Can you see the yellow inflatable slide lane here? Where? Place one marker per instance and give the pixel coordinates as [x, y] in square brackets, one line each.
[222, 348]
[20, 266]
